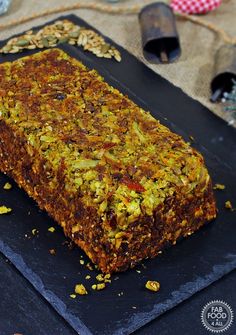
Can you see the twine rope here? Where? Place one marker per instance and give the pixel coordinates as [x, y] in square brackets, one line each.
[111, 9]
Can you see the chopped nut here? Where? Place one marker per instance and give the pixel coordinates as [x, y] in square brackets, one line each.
[152, 285]
[73, 296]
[80, 289]
[219, 187]
[228, 205]
[100, 277]
[99, 286]
[89, 266]
[51, 229]
[34, 231]
[5, 210]
[7, 186]
[52, 252]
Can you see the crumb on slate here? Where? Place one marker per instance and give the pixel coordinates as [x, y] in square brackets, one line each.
[80, 289]
[7, 186]
[52, 252]
[34, 231]
[219, 187]
[5, 210]
[99, 286]
[228, 205]
[152, 285]
[51, 229]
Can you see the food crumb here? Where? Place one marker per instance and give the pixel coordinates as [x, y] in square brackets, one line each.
[219, 187]
[152, 285]
[99, 286]
[120, 294]
[134, 307]
[5, 210]
[7, 186]
[73, 296]
[99, 277]
[138, 271]
[52, 252]
[80, 289]
[89, 266]
[87, 277]
[81, 262]
[34, 231]
[228, 205]
[51, 229]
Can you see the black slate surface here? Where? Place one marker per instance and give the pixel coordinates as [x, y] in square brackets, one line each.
[183, 270]
[22, 310]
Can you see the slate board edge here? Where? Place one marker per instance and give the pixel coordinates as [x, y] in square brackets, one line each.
[185, 292]
[37, 283]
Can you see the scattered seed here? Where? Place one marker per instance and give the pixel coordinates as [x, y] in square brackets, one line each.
[62, 32]
[81, 262]
[87, 277]
[22, 43]
[73, 296]
[45, 42]
[104, 48]
[51, 229]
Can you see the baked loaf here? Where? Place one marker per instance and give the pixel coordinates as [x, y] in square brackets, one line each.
[121, 185]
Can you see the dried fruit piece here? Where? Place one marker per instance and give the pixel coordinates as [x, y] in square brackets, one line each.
[152, 285]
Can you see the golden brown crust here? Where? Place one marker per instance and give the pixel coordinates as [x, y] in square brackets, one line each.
[121, 185]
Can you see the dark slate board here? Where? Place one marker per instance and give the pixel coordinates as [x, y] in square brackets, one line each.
[183, 270]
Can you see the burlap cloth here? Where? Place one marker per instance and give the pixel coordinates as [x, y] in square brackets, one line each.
[192, 72]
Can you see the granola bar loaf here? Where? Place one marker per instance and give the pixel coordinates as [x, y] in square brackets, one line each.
[120, 184]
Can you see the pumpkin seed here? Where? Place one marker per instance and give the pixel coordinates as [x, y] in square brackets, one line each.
[45, 42]
[62, 32]
[22, 43]
[104, 48]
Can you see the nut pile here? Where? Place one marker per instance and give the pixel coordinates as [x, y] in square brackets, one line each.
[62, 32]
